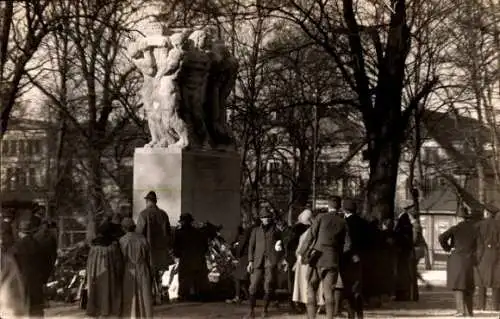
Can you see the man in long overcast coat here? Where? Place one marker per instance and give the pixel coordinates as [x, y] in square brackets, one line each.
[154, 224]
[488, 259]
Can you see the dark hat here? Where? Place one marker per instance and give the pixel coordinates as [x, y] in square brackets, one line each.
[186, 218]
[349, 205]
[28, 225]
[151, 196]
[265, 213]
[127, 223]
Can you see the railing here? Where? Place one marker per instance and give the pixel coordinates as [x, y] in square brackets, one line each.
[70, 232]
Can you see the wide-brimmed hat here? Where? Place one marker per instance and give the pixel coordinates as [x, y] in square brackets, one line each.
[151, 196]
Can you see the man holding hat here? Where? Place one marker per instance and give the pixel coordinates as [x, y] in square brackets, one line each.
[460, 240]
[265, 250]
[154, 225]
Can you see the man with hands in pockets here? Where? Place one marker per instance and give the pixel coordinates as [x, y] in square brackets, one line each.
[265, 251]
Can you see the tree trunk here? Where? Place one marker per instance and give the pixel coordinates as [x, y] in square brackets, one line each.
[96, 194]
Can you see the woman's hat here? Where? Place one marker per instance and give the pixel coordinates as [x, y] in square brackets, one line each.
[127, 223]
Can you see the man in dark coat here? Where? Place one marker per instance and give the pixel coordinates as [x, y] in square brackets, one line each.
[46, 236]
[488, 259]
[461, 241]
[27, 253]
[154, 225]
[265, 250]
[240, 252]
[324, 246]
[191, 247]
[406, 267]
[350, 266]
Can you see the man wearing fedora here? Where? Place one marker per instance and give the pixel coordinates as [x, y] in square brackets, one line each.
[460, 240]
[27, 254]
[265, 251]
[154, 224]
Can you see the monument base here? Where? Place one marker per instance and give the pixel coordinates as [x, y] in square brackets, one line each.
[203, 183]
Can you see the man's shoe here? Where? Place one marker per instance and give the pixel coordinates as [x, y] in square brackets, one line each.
[264, 314]
[251, 315]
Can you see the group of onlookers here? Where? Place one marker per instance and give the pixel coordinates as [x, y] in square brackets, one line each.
[332, 257]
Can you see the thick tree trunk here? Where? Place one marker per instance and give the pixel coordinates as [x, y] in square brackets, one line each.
[381, 186]
[96, 194]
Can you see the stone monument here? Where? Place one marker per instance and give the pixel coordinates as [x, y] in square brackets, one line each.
[190, 162]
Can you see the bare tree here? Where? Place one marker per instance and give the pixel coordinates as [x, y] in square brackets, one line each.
[94, 95]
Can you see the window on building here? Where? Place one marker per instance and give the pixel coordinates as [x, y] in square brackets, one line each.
[13, 148]
[21, 147]
[10, 178]
[21, 179]
[5, 148]
[32, 178]
[431, 155]
[37, 147]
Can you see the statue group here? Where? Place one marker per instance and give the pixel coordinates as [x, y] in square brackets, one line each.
[188, 76]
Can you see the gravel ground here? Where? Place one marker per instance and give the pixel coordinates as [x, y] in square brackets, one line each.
[437, 303]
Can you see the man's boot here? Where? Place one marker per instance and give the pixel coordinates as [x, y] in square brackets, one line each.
[330, 310]
[267, 302]
[253, 302]
[459, 302]
[469, 302]
[311, 311]
[359, 307]
[481, 300]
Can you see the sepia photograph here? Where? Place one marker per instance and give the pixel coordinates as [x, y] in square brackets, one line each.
[250, 159]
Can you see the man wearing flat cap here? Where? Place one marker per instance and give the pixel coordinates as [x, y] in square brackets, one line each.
[154, 225]
[460, 240]
[26, 255]
[265, 251]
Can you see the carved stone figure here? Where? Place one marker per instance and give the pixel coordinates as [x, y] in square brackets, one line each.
[188, 76]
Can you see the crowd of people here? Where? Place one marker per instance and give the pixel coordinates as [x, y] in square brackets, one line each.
[330, 258]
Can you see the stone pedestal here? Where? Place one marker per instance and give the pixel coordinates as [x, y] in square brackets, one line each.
[203, 183]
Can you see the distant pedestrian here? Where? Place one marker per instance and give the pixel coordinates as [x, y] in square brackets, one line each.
[265, 252]
[240, 252]
[154, 225]
[137, 293]
[104, 275]
[460, 240]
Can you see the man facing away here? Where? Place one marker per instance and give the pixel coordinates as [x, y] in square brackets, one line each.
[325, 244]
[154, 224]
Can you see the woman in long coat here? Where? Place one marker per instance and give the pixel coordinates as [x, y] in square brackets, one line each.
[104, 275]
[300, 283]
[461, 241]
[137, 290]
